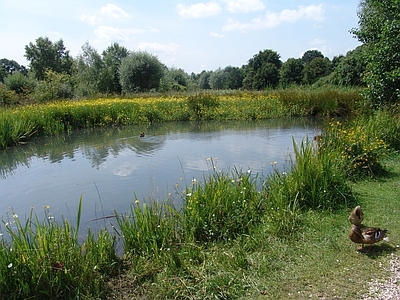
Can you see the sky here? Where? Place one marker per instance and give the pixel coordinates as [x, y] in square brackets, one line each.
[192, 35]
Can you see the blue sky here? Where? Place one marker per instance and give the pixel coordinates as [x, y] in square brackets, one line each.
[194, 35]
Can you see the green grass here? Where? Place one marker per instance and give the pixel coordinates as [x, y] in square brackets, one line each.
[46, 260]
[236, 235]
[61, 116]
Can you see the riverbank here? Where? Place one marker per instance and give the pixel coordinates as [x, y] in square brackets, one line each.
[19, 124]
[320, 263]
[238, 235]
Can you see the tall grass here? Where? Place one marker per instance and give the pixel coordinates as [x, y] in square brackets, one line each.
[56, 117]
[222, 207]
[315, 181]
[45, 260]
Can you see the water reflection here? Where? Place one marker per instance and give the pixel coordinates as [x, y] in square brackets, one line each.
[108, 166]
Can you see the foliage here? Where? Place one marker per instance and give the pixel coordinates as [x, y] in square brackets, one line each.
[351, 68]
[379, 31]
[222, 207]
[200, 104]
[361, 149]
[315, 69]
[89, 74]
[262, 70]
[54, 86]
[204, 80]
[140, 71]
[19, 83]
[234, 77]
[175, 80]
[291, 72]
[45, 260]
[218, 80]
[309, 56]
[150, 230]
[112, 58]
[45, 54]
[7, 97]
[11, 66]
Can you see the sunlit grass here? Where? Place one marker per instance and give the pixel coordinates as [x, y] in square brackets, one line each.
[45, 259]
[61, 116]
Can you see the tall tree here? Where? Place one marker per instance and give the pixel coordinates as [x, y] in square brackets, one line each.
[112, 58]
[140, 71]
[11, 66]
[309, 55]
[217, 79]
[234, 77]
[379, 31]
[263, 70]
[291, 72]
[89, 72]
[315, 69]
[351, 68]
[45, 54]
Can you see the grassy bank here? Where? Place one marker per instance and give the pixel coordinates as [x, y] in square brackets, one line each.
[237, 235]
[18, 124]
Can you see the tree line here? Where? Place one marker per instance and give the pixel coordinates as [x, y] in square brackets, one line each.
[54, 74]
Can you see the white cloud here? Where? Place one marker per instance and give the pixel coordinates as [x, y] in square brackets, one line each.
[109, 33]
[156, 47]
[110, 10]
[244, 6]
[216, 35]
[92, 20]
[198, 10]
[273, 19]
[113, 11]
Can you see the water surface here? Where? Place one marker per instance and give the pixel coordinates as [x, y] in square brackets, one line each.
[111, 167]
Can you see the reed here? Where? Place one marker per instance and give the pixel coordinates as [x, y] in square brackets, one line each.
[61, 116]
[45, 260]
[222, 207]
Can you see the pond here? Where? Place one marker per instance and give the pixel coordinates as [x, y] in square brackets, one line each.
[111, 167]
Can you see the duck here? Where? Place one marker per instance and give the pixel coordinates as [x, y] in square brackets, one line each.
[366, 235]
[357, 216]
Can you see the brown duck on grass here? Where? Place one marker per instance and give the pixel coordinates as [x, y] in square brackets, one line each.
[361, 234]
[366, 235]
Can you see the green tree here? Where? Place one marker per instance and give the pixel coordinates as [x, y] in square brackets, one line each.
[351, 68]
[315, 69]
[140, 71]
[309, 55]
[379, 31]
[204, 80]
[234, 77]
[3, 73]
[112, 58]
[89, 72]
[46, 55]
[175, 79]
[217, 79]
[291, 72]
[263, 70]
[11, 66]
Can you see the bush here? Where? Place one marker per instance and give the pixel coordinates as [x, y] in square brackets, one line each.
[199, 104]
[7, 97]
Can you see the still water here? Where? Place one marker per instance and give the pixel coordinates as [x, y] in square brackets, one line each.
[112, 167]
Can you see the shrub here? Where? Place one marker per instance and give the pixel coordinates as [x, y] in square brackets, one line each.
[199, 104]
[7, 97]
